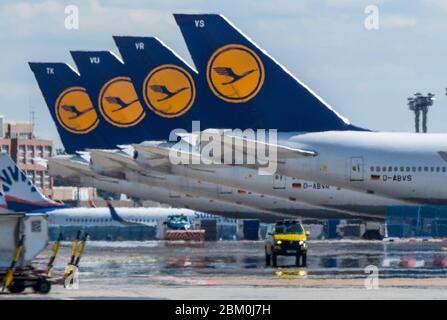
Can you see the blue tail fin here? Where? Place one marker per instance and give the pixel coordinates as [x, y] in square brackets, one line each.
[237, 71]
[113, 213]
[69, 104]
[122, 115]
[116, 217]
[156, 70]
[19, 192]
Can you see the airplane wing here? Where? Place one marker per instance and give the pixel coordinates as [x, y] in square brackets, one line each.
[155, 156]
[248, 146]
[115, 159]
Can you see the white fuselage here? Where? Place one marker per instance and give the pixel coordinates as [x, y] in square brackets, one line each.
[404, 166]
[101, 216]
[80, 172]
[143, 174]
[292, 189]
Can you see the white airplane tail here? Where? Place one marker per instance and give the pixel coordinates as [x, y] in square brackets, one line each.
[20, 194]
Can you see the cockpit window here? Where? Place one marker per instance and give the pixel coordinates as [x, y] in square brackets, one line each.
[289, 228]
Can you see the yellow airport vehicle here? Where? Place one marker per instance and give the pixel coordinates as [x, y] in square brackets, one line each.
[286, 238]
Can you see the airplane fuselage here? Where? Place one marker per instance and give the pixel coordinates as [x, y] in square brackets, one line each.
[404, 166]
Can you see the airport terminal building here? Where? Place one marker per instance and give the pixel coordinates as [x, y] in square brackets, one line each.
[18, 140]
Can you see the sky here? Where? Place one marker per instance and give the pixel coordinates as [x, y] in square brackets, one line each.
[366, 75]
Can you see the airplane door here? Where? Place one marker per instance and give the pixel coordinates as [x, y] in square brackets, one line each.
[356, 169]
[279, 182]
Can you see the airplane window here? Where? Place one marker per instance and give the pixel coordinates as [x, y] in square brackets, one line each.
[419, 169]
[395, 169]
[390, 168]
[401, 169]
[432, 169]
[437, 169]
[408, 169]
[413, 169]
[378, 169]
[372, 169]
[384, 169]
[443, 169]
[354, 168]
[425, 169]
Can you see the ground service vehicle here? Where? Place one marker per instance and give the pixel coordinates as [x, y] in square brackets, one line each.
[286, 238]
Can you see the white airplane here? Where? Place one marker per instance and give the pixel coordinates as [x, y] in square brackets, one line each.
[314, 141]
[109, 216]
[111, 163]
[77, 170]
[285, 187]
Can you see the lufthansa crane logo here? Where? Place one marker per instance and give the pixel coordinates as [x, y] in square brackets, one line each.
[169, 91]
[75, 112]
[118, 103]
[235, 73]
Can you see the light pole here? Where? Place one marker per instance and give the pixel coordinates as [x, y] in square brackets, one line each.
[420, 104]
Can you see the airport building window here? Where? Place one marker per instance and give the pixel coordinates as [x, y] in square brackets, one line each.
[39, 151]
[30, 175]
[22, 154]
[47, 152]
[38, 179]
[46, 181]
[29, 154]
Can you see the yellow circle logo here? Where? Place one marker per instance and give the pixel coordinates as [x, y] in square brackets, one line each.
[75, 112]
[235, 73]
[118, 103]
[169, 91]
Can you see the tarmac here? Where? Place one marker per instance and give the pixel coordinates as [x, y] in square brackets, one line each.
[340, 269]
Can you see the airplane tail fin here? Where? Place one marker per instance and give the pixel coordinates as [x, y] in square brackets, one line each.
[69, 104]
[115, 216]
[240, 73]
[20, 193]
[166, 84]
[154, 67]
[122, 116]
[113, 213]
